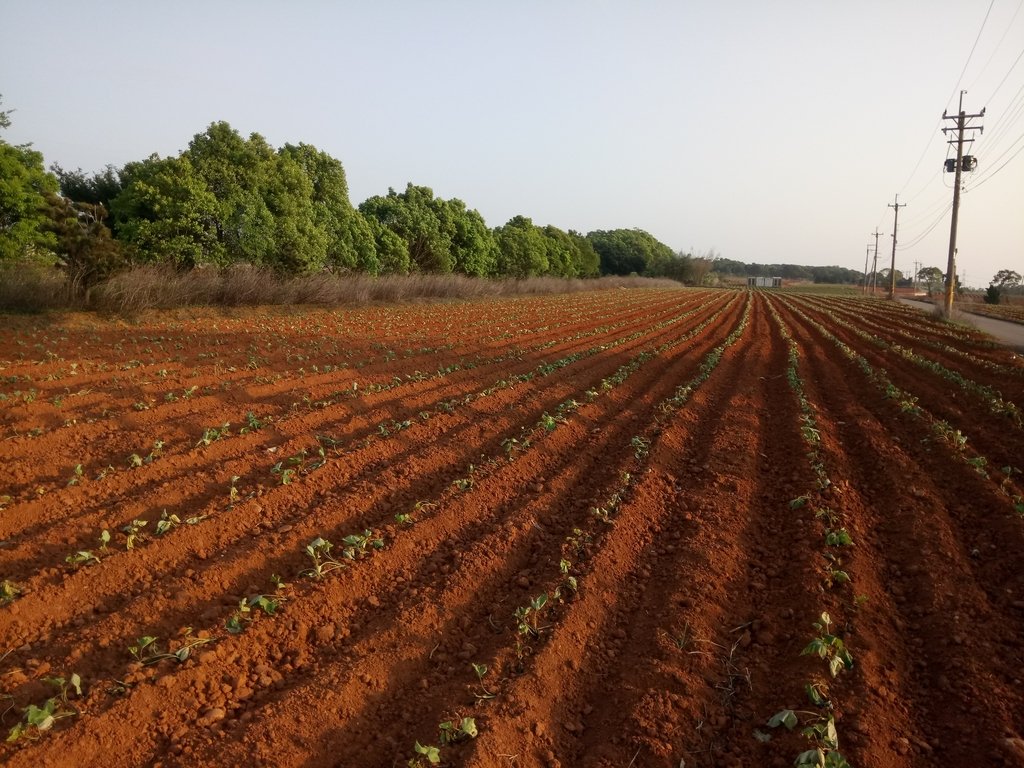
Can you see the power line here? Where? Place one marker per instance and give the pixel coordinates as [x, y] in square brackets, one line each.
[1007, 75]
[928, 231]
[988, 176]
[931, 133]
[995, 50]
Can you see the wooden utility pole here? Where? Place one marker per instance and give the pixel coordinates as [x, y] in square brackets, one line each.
[895, 223]
[874, 269]
[961, 126]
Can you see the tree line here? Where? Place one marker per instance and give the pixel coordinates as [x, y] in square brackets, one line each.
[227, 199]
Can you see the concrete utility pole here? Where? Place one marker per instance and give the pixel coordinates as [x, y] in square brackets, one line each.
[874, 269]
[867, 253]
[892, 269]
[961, 126]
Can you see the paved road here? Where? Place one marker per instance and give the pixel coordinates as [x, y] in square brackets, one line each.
[1010, 334]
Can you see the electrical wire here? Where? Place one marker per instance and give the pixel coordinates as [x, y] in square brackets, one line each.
[918, 238]
[977, 184]
[989, 175]
[998, 46]
[1012, 66]
[956, 87]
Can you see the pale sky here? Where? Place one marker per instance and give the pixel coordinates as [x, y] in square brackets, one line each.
[767, 131]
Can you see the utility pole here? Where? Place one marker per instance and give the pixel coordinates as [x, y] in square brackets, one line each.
[874, 269]
[867, 253]
[892, 269]
[961, 125]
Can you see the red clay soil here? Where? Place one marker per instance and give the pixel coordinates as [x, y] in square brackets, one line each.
[625, 461]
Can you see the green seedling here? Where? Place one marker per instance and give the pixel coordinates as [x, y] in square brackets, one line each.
[168, 522]
[432, 756]
[154, 454]
[641, 446]
[133, 533]
[82, 557]
[319, 551]
[233, 494]
[548, 422]
[9, 591]
[189, 392]
[481, 670]
[241, 618]
[358, 544]
[528, 616]
[76, 475]
[104, 539]
[601, 514]
[135, 461]
[147, 652]
[212, 434]
[252, 424]
[820, 730]
[799, 502]
[838, 538]
[829, 647]
[511, 445]
[834, 575]
[403, 518]
[452, 732]
[39, 719]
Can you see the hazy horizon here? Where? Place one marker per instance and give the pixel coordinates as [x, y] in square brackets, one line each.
[768, 133]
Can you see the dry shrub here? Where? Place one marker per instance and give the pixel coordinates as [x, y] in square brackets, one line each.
[144, 288]
[30, 287]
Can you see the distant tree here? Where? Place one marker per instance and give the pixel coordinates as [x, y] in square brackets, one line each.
[1007, 278]
[392, 250]
[992, 295]
[350, 242]
[414, 216]
[630, 251]
[588, 262]
[24, 184]
[522, 249]
[99, 189]
[166, 213]
[85, 250]
[473, 245]
[560, 251]
[931, 277]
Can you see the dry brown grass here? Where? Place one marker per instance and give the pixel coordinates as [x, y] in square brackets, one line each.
[30, 287]
[143, 288]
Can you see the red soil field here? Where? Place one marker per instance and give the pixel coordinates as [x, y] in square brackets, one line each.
[586, 530]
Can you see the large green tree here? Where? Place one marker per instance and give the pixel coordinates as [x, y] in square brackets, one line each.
[350, 241]
[629, 251]
[415, 217]
[24, 184]
[522, 249]
[474, 248]
[166, 214]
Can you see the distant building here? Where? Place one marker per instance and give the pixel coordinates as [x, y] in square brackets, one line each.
[764, 282]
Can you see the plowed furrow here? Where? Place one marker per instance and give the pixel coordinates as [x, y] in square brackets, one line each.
[417, 553]
[351, 420]
[915, 536]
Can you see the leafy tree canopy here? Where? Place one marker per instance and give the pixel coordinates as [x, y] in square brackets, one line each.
[24, 183]
[629, 251]
[1006, 278]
